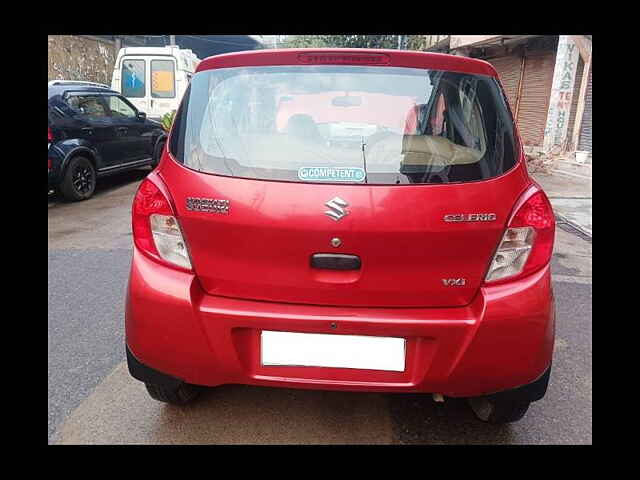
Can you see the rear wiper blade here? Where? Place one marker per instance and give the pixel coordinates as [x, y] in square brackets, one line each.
[364, 159]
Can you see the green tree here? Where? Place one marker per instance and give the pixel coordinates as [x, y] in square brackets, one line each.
[411, 42]
[416, 42]
[167, 120]
[306, 41]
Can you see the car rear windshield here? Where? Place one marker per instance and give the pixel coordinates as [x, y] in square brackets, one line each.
[355, 124]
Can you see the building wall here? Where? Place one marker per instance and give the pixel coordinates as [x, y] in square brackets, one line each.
[74, 57]
[528, 92]
[459, 41]
[433, 40]
[556, 135]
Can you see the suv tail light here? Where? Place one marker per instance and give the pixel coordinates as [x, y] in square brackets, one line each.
[156, 231]
[527, 243]
[50, 137]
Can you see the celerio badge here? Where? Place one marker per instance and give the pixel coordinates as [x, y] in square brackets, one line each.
[470, 217]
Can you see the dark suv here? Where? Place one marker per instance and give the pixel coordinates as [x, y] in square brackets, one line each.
[93, 132]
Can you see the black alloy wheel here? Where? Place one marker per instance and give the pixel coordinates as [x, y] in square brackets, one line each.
[83, 180]
[79, 180]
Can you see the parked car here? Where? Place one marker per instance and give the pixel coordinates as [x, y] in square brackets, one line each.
[154, 78]
[93, 132]
[283, 241]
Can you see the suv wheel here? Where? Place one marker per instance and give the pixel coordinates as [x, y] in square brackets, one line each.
[180, 395]
[79, 181]
[494, 411]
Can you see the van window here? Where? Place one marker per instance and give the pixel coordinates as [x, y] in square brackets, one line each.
[133, 78]
[377, 125]
[163, 83]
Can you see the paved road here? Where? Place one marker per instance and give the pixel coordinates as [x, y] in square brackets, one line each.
[92, 398]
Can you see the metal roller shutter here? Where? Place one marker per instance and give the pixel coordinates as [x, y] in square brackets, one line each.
[508, 68]
[535, 93]
[584, 142]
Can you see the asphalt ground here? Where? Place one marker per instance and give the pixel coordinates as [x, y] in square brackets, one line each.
[93, 400]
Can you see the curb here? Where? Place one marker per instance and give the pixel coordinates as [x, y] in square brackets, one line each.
[571, 174]
[576, 226]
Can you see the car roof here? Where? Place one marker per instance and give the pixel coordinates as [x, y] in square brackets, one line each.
[60, 89]
[168, 49]
[349, 56]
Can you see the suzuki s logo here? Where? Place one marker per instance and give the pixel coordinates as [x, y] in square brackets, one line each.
[336, 208]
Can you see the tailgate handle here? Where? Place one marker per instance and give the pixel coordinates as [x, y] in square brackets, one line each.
[335, 261]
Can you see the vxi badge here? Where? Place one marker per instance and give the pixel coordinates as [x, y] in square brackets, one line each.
[470, 217]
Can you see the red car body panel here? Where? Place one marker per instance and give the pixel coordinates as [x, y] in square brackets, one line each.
[353, 56]
[252, 273]
[262, 250]
[174, 326]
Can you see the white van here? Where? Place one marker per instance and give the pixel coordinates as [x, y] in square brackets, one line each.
[153, 78]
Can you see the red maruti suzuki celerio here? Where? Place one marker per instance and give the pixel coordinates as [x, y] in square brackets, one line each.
[344, 219]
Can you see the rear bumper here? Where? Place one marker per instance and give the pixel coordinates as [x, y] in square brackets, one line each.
[501, 341]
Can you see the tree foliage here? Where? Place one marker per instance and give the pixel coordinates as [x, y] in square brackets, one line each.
[411, 42]
[416, 42]
[167, 120]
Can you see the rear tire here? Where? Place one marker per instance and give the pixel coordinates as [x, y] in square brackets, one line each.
[157, 153]
[181, 395]
[500, 411]
[79, 181]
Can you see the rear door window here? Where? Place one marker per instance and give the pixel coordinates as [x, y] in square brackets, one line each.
[378, 125]
[163, 82]
[133, 78]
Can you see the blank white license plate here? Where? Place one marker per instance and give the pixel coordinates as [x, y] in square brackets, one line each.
[339, 351]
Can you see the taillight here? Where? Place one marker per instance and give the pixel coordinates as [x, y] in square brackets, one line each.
[156, 231]
[527, 243]
[50, 137]
[49, 164]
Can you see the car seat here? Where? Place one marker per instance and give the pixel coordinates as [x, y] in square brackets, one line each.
[303, 127]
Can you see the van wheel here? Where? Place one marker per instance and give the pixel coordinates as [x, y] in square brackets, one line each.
[498, 411]
[79, 181]
[157, 153]
[180, 395]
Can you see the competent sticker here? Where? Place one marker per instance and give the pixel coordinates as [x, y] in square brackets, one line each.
[331, 174]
